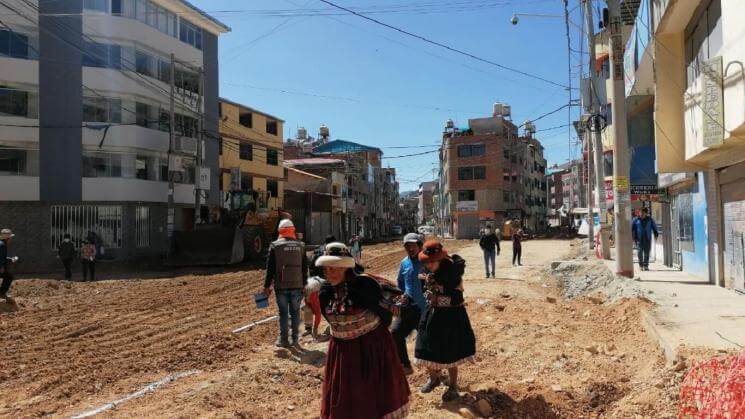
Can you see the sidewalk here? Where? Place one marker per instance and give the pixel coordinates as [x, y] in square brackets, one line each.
[689, 310]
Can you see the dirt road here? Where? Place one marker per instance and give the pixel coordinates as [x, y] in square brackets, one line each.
[73, 347]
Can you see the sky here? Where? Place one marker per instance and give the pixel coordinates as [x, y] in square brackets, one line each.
[310, 64]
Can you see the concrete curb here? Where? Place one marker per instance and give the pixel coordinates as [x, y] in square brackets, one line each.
[653, 330]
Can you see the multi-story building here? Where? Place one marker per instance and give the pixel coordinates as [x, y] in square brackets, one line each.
[251, 152]
[426, 203]
[490, 174]
[698, 126]
[409, 204]
[84, 145]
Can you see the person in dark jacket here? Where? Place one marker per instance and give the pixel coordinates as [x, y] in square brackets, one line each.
[88, 260]
[517, 246]
[6, 236]
[287, 272]
[642, 229]
[363, 376]
[445, 339]
[66, 253]
[489, 244]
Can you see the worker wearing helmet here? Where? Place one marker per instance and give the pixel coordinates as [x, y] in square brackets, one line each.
[287, 272]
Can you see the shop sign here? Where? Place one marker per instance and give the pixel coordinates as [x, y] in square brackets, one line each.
[713, 102]
[467, 206]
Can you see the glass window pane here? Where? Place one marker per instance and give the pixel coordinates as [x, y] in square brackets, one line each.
[152, 14]
[4, 42]
[116, 7]
[714, 17]
[142, 10]
[18, 45]
[13, 102]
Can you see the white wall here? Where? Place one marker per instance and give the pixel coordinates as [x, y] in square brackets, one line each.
[118, 189]
[19, 188]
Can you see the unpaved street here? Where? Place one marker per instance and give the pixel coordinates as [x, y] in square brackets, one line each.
[73, 347]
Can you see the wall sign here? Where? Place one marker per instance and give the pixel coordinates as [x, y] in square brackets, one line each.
[713, 102]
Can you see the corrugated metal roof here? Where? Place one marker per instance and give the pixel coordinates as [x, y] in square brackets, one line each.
[343, 146]
[311, 161]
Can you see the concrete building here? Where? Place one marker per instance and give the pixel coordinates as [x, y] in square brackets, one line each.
[425, 207]
[84, 144]
[409, 204]
[490, 174]
[699, 131]
[251, 152]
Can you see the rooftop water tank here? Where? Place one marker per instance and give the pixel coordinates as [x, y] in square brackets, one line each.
[302, 133]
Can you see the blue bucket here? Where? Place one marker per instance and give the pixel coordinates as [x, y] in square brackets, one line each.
[262, 300]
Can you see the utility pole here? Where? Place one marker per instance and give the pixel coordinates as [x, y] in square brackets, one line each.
[171, 138]
[200, 150]
[590, 206]
[621, 169]
[597, 141]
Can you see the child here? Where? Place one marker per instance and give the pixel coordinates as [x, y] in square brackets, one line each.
[311, 300]
[88, 259]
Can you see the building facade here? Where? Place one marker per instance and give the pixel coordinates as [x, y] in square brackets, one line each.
[490, 174]
[425, 207]
[251, 152]
[84, 145]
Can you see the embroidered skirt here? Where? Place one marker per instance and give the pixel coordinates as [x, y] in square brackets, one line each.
[445, 338]
[364, 378]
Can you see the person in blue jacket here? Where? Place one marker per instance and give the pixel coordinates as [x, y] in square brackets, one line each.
[413, 296]
[642, 229]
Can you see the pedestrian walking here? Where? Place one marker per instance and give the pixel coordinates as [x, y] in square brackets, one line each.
[489, 244]
[88, 259]
[66, 253]
[287, 273]
[445, 339]
[412, 298]
[6, 236]
[355, 247]
[363, 376]
[517, 246]
[642, 228]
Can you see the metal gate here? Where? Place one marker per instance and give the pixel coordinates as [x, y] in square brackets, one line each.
[468, 226]
[677, 258]
[734, 234]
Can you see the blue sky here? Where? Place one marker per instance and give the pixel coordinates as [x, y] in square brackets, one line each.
[382, 88]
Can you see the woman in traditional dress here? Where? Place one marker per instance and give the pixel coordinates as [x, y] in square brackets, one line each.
[364, 378]
[445, 339]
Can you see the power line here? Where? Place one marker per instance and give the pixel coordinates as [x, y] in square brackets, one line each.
[441, 45]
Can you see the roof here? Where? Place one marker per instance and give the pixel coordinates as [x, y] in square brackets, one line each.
[248, 108]
[218, 26]
[312, 161]
[343, 146]
[305, 173]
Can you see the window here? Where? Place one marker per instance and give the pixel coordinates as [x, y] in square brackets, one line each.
[13, 44]
[164, 120]
[505, 196]
[14, 102]
[467, 195]
[12, 161]
[187, 80]
[190, 33]
[271, 127]
[142, 226]
[142, 115]
[472, 150]
[465, 173]
[272, 157]
[96, 5]
[470, 173]
[703, 40]
[506, 154]
[100, 109]
[144, 63]
[247, 182]
[141, 167]
[273, 188]
[187, 126]
[163, 169]
[246, 152]
[102, 165]
[219, 147]
[683, 206]
[246, 119]
[116, 7]
[102, 55]
[164, 71]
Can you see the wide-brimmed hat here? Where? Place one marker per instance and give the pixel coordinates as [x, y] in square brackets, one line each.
[336, 255]
[6, 233]
[432, 252]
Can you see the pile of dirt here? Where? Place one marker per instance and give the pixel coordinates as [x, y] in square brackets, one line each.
[586, 277]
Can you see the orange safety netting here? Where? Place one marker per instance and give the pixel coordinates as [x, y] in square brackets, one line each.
[714, 389]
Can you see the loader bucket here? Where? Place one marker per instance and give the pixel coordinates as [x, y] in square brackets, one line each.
[206, 246]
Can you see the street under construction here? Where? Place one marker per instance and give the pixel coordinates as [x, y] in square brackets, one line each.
[164, 346]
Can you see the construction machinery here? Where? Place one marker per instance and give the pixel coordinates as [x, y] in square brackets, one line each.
[240, 231]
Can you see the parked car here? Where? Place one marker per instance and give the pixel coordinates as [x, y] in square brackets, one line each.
[396, 230]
